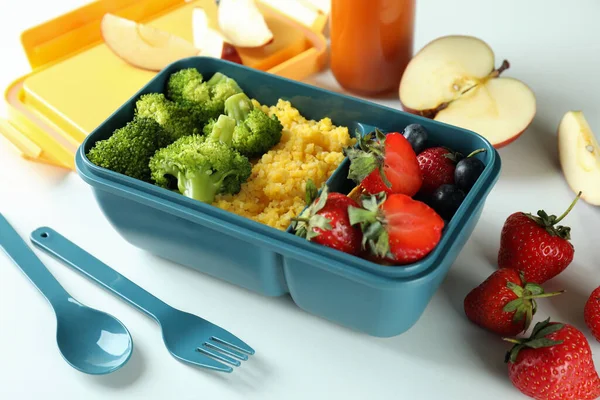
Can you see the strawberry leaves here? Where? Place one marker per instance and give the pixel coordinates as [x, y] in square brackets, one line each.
[311, 192]
[373, 225]
[525, 306]
[537, 339]
[548, 222]
[309, 219]
[369, 156]
[453, 156]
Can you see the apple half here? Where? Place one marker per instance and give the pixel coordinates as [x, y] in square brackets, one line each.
[144, 46]
[579, 155]
[211, 42]
[453, 79]
[242, 23]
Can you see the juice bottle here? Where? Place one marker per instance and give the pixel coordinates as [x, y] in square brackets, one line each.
[371, 43]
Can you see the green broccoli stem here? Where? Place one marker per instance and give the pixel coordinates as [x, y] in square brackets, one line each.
[238, 106]
[222, 130]
[219, 77]
[201, 186]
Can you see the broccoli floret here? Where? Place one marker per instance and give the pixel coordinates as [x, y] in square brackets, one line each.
[206, 98]
[179, 80]
[255, 132]
[201, 166]
[177, 119]
[128, 149]
[222, 87]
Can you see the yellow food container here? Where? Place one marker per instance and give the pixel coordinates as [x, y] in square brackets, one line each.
[76, 81]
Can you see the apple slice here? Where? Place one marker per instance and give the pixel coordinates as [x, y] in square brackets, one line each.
[304, 12]
[210, 41]
[452, 79]
[242, 23]
[144, 46]
[579, 155]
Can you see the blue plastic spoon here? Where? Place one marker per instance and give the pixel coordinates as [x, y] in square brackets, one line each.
[91, 341]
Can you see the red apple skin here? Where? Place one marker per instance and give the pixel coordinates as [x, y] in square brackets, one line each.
[230, 53]
[512, 139]
[496, 145]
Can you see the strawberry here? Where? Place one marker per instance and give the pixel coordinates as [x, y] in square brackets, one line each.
[536, 245]
[554, 363]
[591, 313]
[437, 165]
[504, 303]
[325, 221]
[384, 163]
[396, 228]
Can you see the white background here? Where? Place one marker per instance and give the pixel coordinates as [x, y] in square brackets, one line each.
[552, 46]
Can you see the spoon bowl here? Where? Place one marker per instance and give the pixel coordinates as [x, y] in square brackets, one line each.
[91, 341]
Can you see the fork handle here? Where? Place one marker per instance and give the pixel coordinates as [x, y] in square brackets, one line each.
[74, 256]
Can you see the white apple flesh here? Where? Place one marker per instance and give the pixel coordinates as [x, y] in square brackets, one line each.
[299, 10]
[579, 156]
[242, 23]
[144, 46]
[209, 41]
[500, 110]
[443, 69]
[452, 79]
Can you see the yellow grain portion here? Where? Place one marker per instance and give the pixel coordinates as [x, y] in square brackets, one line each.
[308, 149]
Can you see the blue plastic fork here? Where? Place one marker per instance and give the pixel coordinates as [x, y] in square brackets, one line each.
[188, 337]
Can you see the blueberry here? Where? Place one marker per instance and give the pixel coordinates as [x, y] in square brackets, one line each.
[467, 172]
[417, 137]
[446, 199]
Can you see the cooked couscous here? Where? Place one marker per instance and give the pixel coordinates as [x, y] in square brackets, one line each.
[308, 149]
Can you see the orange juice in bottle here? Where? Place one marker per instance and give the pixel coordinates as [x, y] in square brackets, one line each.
[371, 43]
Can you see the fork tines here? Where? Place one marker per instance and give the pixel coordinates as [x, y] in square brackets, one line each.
[232, 352]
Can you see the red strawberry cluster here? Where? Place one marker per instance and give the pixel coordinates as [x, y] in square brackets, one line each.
[555, 361]
[408, 192]
[403, 163]
[384, 228]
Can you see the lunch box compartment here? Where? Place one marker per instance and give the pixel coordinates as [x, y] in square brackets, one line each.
[377, 300]
[195, 245]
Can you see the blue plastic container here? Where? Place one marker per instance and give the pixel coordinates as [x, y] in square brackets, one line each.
[378, 300]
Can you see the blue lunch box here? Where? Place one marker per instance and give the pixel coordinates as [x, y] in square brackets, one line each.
[378, 300]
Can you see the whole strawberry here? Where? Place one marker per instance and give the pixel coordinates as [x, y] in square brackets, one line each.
[437, 165]
[325, 221]
[554, 363]
[384, 163]
[591, 313]
[504, 303]
[536, 245]
[397, 229]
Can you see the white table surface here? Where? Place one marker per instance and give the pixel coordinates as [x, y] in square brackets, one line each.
[552, 46]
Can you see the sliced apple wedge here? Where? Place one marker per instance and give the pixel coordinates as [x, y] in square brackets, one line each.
[453, 80]
[242, 23]
[144, 46]
[209, 41]
[579, 155]
[304, 12]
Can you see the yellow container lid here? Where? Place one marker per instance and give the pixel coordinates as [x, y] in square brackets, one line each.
[76, 81]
